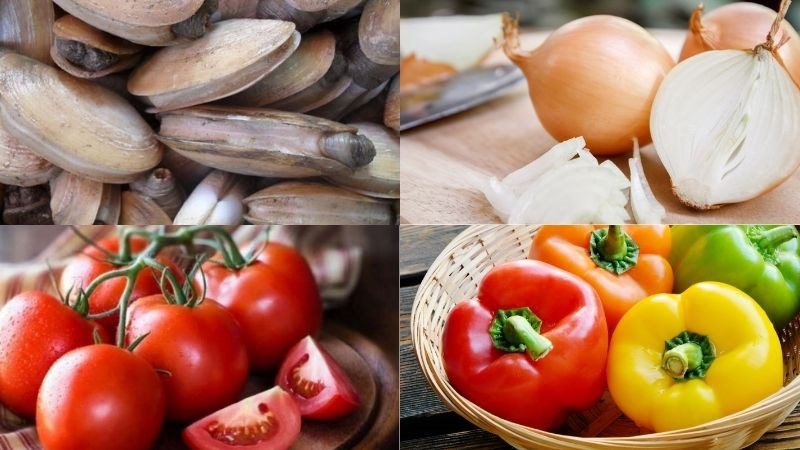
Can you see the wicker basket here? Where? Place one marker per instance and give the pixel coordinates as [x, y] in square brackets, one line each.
[455, 276]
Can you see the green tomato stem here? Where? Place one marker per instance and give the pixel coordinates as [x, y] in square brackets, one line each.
[518, 330]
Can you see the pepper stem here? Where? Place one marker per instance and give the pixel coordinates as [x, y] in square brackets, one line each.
[681, 359]
[776, 236]
[518, 330]
[612, 246]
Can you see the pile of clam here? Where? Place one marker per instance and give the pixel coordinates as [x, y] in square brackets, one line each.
[199, 111]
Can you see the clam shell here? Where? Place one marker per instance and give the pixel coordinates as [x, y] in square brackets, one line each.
[75, 200]
[161, 186]
[236, 9]
[391, 117]
[379, 31]
[232, 56]
[307, 65]
[146, 22]
[138, 209]
[381, 177]
[217, 200]
[260, 142]
[305, 13]
[19, 166]
[331, 86]
[70, 28]
[73, 123]
[26, 26]
[309, 203]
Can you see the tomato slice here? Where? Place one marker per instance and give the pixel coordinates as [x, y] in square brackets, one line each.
[322, 390]
[266, 421]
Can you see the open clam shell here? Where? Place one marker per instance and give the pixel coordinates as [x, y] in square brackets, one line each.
[311, 203]
[73, 123]
[26, 26]
[307, 66]
[231, 57]
[264, 142]
[381, 177]
[19, 166]
[146, 22]
[86, 52]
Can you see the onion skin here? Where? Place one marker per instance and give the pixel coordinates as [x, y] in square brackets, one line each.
[594, 77]
[740, 26]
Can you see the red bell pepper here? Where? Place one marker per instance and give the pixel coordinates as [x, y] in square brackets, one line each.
[531, 348]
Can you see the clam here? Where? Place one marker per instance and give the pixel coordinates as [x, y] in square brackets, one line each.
[138, 209]
[373, 48]
[19, 166]
[74, 123]
[187, 172]
[310, 203]
[79, 201]
[26, 26]
[391, 117]
[307, 66]
[353, 98]
[264, 142]
[305, 13]
[217, 200]
[146, 22]
[26, 205]
[230, 58]
[163, 189]
[381, 178]
[86, 52]
[333, 84]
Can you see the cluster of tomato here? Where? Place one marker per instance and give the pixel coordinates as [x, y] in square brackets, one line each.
[183, 363]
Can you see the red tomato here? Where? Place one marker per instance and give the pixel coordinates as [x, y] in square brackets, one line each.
[35, 330]
[276, 303]
[100, 397]
[92, 263]
[266, 421]
[319, 386]
[202, 347]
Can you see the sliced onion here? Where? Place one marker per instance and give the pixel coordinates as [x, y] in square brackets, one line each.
[644, 205]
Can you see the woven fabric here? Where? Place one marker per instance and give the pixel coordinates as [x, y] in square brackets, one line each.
[336, 265]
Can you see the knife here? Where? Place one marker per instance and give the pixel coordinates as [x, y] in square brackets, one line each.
[456, 94]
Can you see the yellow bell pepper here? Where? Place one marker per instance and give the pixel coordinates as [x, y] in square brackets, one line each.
[680, 360]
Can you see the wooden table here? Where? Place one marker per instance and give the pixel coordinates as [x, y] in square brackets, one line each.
[425, 423]
[441, 161]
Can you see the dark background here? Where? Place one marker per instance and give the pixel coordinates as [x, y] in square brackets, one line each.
[553, 13]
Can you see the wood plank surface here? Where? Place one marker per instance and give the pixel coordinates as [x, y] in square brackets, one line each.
[425, 423]
[441, 161]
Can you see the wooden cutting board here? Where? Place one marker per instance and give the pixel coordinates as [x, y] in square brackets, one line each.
[440, 160]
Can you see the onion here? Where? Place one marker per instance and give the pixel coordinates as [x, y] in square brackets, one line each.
[594, 77]
[644, 205]
[726, 124]
[565, 185]
[739, 26]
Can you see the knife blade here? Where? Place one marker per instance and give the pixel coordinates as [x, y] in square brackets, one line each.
[456, 94]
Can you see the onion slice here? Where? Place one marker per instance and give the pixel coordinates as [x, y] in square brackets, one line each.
[644, 205]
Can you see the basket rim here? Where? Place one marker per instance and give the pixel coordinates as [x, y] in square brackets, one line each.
[787, 396]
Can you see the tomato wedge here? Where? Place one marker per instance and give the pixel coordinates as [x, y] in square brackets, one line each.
[266, 421]
[322, 390]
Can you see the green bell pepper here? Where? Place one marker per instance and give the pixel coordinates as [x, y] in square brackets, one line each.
[763, 261]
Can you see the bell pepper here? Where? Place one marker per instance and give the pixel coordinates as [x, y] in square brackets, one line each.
[680, 360]
[531, 347]
[763, 261]
[624, 264]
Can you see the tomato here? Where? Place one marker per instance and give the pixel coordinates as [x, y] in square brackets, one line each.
[318, 385]
[98, 398]
[92, 263]
[276, 302]
[266, 421]
[35, 330]
[202, 348]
